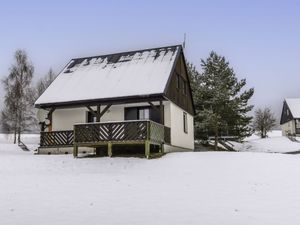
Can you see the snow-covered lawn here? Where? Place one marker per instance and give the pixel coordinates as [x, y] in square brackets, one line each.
[210, 188]
[275, 143]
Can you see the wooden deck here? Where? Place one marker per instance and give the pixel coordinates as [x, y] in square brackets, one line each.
[144, 132]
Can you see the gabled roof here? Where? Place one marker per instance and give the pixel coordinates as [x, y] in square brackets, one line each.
[136, 73]
[294, 106]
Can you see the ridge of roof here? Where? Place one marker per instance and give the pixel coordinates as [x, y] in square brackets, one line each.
[127, 52]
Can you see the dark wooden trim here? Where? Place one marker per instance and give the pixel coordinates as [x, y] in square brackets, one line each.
[91, 110]
[98, 115]
[161, 109]
[188, 81]
[126, 52]
[49, 114]
[154, 107]
[284, 117]
[173, 69]
[104, 110]
[104, 101]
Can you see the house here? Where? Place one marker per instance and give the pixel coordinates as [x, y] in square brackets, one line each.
[290, 117]
[106, 104]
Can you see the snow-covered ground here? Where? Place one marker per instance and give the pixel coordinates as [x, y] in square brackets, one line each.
[275, 143]
[180, 188]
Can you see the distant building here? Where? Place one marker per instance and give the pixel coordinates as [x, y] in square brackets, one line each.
[290, 117]
[111, 103]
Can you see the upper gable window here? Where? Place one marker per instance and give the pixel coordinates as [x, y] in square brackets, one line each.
[177, 81]
[184, 87]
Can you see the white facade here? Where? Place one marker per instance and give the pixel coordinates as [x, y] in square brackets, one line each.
[179, 138]
[64, 119]
[288, 128]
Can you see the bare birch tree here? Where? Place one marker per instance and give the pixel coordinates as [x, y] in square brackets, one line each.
[17, 114]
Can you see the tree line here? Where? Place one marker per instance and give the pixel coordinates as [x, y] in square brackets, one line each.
[18, 113]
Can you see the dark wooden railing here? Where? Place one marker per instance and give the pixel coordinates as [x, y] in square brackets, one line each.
[137, 130]
[57, 138]
[93, 133]
[297, 130]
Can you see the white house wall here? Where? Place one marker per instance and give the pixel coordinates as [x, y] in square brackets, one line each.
[288, 128]
[178, 137]
[64, 119]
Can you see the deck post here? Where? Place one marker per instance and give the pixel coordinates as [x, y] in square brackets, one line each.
[147, 149]
[161, 112]
[75, 151]
[161, 148]
[109, 149]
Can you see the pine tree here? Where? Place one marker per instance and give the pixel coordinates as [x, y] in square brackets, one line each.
[221, 105]
[264, 121]
[194, 76]
[17, 113]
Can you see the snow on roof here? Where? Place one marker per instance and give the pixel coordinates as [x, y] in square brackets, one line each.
[135, 73]
[294, 106]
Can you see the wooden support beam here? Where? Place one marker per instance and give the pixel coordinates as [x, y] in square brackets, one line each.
[91, 110]
[75, 151]
[161, 111]
[161, 148]
[147, 149]
[50, 112]
[98, 113]
[49, 117]
[109, 149]
[104, 110]
[154, 107]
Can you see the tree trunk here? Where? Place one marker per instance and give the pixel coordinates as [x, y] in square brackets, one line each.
[19, 136]
[216, 139]
[15, 136]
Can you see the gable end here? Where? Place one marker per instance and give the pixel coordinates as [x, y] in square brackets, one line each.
[178, 88]
[286, 114]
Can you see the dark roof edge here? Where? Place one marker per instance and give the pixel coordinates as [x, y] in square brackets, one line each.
[116, 100]
[131, 51]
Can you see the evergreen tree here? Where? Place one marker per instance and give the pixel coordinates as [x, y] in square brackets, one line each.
[221, 105]
[194, 76]
[264, 121]
[17, 115]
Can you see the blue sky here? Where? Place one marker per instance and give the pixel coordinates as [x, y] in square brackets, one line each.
[261, 39]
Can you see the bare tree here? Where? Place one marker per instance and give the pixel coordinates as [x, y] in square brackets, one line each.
[264, 121]
[44, 82]
[17, 113]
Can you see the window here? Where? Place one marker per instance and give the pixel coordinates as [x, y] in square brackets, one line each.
[185, 126]
[177, 81]
[91, 117]
[144, 114]
[181, 84]
[184, 86]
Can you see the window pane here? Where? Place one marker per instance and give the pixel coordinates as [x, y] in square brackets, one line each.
[185, 128]
[146, 114]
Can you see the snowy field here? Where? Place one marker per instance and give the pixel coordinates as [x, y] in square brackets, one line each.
[275, 143]
[211, 188]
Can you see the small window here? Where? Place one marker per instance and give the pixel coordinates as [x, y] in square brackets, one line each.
[184, 87]
[287, 112]
[91, 118]
[185, 125]
[177, 81]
